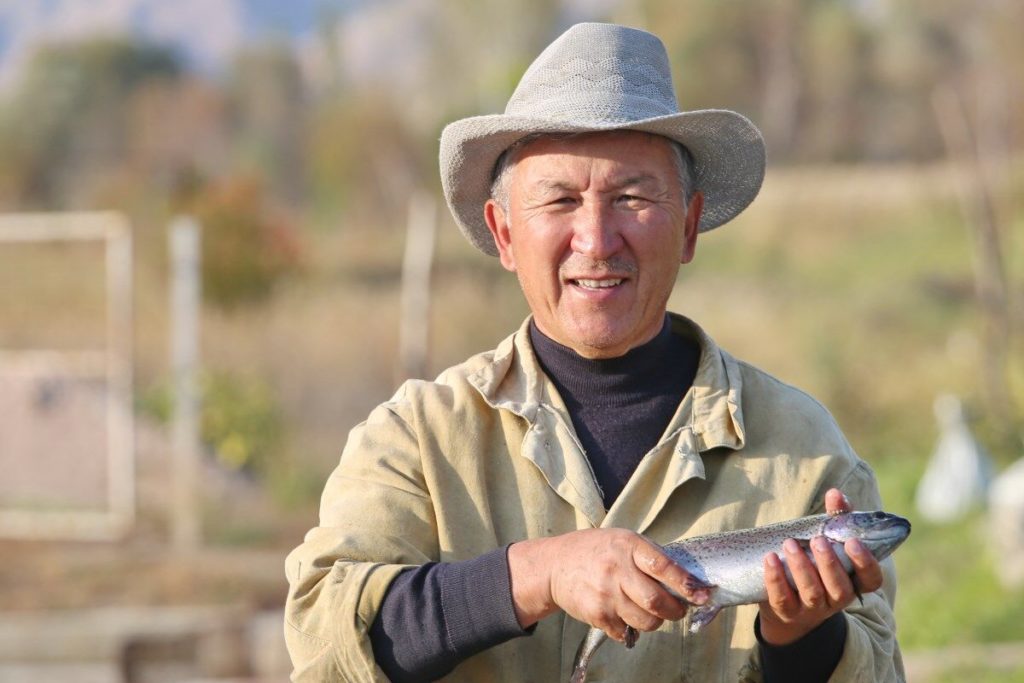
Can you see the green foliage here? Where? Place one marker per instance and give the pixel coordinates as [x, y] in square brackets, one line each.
[292, 485]
[952, 561]
[247, 245]
[364, 160]
[268, 109]
[70, 115]
[241, 422]
[980, 673]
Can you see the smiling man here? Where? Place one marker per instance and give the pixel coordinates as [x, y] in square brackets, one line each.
[477, 524]
[602, 226]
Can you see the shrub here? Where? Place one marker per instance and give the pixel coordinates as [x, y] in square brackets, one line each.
[247, 245]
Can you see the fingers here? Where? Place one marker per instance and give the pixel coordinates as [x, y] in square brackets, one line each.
[783, 599]
[652, 599]
[644, 608]
[836, 502]
[865, 566]
[838, 588]
[823, 585]
[816, 592]
[610, 579]
[636, 616]
[808, 583]
[654, 563]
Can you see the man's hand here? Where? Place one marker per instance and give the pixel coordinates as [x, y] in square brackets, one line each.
[790, 614]
[608, 578]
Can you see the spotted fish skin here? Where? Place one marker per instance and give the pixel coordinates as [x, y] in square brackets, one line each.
[730, 564]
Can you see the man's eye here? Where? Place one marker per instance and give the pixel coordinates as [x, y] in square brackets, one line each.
[632, 200]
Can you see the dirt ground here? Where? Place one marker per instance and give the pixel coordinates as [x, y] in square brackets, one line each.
[38, 575]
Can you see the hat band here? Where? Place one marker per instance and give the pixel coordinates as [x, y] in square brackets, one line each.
[599, 110]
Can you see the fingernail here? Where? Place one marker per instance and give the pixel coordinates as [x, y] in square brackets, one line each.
[791, 546]
[819, 543]
[857, 548]
[700, 597]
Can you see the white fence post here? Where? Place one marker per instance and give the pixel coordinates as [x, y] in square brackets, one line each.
[185, 291]
[414, 326]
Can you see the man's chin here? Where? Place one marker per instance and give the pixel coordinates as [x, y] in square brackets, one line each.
[600, 345]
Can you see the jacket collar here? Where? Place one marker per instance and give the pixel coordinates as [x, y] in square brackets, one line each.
[715, 417]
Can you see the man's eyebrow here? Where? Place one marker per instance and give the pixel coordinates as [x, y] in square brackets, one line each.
[550, 185]
[642, 179]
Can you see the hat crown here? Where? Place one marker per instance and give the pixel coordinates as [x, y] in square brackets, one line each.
[597, 74]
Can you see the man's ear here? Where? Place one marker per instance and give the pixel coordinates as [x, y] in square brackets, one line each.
[497, 223]
[692, 226]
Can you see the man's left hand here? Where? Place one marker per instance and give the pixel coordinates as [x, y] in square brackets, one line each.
[821, 591]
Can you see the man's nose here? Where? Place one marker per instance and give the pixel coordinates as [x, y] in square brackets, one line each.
[595, 233]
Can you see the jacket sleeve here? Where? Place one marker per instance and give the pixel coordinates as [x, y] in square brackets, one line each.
[375, 520]
[871, 653]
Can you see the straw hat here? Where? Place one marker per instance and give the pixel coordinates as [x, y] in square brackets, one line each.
[601, 77]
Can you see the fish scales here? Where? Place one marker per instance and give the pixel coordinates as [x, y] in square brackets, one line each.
[730, 564]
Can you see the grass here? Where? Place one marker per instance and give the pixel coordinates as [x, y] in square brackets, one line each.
[980, 674]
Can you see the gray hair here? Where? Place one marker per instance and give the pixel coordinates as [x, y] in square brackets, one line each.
[681, 158]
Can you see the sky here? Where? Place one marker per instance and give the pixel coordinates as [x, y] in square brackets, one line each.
[205, 32]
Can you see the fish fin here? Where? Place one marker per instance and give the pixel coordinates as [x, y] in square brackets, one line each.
[631, 635]
[856, 588]
[695, 584]
[702, 616]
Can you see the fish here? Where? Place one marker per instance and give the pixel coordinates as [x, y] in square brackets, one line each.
[729, 565]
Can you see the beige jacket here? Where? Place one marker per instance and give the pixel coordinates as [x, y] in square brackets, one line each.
[486, 455]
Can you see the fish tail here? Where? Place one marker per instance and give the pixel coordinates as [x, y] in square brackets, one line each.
[593, 640]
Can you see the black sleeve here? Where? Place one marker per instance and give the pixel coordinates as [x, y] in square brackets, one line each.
[812, 658]
[438, 614]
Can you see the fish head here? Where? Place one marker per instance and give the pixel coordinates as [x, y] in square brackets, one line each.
[881, 532]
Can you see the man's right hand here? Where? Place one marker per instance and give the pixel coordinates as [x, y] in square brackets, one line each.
[608, 578]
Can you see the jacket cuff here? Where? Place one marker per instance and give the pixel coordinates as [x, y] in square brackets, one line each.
[811, 658]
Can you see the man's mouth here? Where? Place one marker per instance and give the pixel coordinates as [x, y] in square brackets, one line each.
[596, 284]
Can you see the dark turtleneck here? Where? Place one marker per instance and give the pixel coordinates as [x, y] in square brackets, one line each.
[620, 406]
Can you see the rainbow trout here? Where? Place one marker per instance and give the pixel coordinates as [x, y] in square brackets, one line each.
[730, 564]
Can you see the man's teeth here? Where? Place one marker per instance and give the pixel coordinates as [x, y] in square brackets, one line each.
[597, 284]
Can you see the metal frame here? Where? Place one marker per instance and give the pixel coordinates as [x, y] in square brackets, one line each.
[115, 364]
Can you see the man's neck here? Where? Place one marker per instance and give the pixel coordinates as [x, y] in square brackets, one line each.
[620, 406]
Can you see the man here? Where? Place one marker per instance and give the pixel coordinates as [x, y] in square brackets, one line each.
[476, 524]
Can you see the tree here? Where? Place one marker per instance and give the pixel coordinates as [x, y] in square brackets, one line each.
[67, 120]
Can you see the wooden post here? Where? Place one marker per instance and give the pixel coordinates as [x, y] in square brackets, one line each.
[120, 421]
[979, 213]
[185, 289]
[414, 326]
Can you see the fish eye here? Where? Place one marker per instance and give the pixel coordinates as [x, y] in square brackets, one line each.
[879, 515]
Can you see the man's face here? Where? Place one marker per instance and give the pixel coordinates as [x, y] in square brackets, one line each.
[596, 229]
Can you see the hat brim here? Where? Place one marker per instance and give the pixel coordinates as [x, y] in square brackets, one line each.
[727, 149]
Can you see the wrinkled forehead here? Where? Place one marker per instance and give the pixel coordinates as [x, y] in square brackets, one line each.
[621, 156]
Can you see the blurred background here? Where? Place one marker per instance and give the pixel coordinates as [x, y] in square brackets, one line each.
[168, 417]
